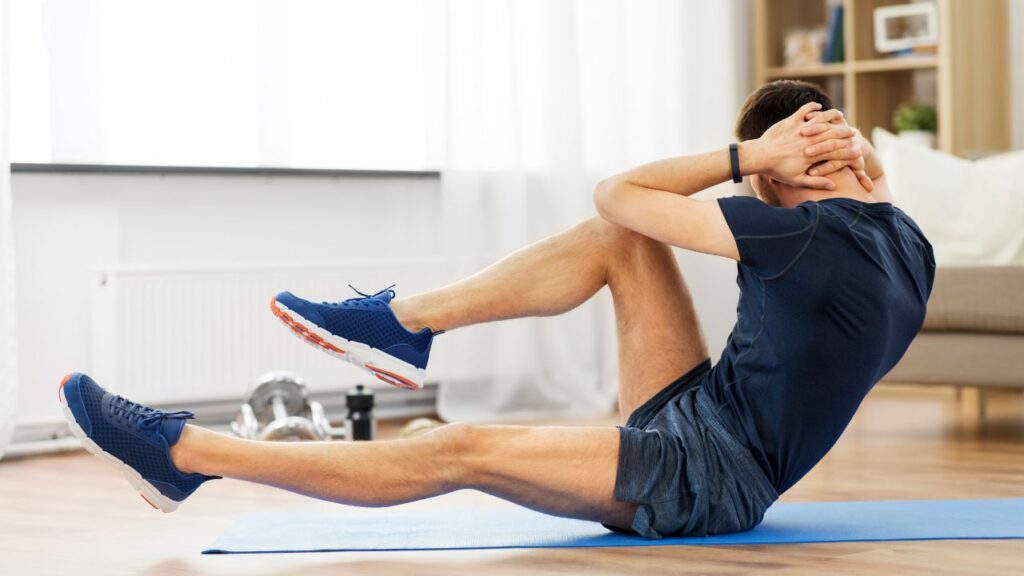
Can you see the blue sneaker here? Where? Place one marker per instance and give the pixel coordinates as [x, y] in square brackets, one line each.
[134, 438]
[363, 331]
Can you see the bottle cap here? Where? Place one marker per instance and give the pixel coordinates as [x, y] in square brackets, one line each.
[359, 398]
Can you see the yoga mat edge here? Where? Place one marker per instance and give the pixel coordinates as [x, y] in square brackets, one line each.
[403, 529]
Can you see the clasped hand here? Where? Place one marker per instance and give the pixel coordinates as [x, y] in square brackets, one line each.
[812, 143]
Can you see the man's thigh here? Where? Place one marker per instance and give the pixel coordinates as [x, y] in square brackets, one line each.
[659, 334]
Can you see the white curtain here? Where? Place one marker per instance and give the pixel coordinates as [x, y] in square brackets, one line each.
[8, 382]
[544, 97]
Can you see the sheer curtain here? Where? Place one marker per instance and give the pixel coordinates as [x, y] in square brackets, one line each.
[543, 98]
[8, 384]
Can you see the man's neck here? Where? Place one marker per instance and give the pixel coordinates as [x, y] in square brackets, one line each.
[847, 186]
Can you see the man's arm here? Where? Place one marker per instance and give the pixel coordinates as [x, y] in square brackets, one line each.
[653, 199]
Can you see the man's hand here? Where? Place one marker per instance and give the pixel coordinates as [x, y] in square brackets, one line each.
[865, 166]
[786, 154]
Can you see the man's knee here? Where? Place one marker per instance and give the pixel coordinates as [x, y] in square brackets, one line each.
[613, 237]
[626, 247]
[453, 443]
[455, 436]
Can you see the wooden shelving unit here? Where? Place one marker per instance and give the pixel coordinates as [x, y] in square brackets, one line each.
[967, 80]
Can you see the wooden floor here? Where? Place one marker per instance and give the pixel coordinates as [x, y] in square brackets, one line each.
[72, 515]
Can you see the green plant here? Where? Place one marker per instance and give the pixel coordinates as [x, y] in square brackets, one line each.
[915, 117]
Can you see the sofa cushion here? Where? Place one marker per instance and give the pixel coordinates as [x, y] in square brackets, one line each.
[971, 212]
[962, 358]
[977, 299]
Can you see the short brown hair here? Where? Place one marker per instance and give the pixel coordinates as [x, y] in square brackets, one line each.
[775, 101]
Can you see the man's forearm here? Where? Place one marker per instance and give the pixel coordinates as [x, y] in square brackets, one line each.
[687, 175]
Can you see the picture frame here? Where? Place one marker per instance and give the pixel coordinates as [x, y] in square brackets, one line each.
[906, 26]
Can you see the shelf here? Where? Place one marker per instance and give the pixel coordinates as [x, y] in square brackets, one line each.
[968, 84]
[817, 70]
[902, 63]
[839, 68]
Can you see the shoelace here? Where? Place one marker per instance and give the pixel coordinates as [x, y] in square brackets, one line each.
[364, 296]
[143, 417]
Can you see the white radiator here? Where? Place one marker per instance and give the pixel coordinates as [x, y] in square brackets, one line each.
[177, 335]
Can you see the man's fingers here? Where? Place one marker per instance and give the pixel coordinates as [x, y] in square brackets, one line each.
[806, 109]
[848, 154]
[816, 182]
[814, 128]
[825, 116]
[826, 145]
[820, 184]
[829, 167]
[864, 180]
[834, 132]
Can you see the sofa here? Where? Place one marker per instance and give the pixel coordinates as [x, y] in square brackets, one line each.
[973, 334]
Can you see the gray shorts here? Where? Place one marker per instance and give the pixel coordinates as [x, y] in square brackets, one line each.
[689, 475]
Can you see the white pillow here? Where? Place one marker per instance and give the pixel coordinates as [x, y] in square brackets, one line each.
[971, 212]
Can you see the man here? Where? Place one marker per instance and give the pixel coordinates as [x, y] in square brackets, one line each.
[833, 284]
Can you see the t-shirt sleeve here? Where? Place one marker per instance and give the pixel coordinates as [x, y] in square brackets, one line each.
[769, 238]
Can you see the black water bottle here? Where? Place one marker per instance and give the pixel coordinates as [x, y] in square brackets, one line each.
[359, 424]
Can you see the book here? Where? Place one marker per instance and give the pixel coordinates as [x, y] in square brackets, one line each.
[835, 50]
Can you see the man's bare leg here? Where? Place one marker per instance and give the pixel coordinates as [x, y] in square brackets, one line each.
[567, 471]
[659, 336]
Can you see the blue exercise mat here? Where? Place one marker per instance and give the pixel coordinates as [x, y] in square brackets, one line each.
[473, 528]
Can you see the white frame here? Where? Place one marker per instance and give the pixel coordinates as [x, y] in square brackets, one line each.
[883, 13]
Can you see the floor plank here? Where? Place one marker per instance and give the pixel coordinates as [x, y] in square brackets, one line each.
[70, 514]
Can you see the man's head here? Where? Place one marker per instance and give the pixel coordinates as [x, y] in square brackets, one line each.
[767, 105]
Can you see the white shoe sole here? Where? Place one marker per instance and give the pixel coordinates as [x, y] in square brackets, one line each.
[382, 365]
[149, 493]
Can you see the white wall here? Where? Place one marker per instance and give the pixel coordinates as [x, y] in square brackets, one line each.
[68, 226]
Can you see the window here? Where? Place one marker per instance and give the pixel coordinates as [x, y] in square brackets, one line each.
[301, 83]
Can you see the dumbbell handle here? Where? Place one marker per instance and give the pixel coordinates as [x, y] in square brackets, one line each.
[277, 405]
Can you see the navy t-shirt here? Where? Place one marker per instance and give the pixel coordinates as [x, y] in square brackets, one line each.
[831, 295]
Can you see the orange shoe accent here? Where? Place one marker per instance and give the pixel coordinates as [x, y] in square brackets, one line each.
[332, 347]
[155, 507]
[390, 381]
[63, 381]
[302, 330]
[391, 377]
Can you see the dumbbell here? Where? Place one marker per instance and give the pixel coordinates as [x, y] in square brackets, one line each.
[279, 408]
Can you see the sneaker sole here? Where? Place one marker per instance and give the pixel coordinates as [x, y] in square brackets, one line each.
[382, 365]
[149, 493]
